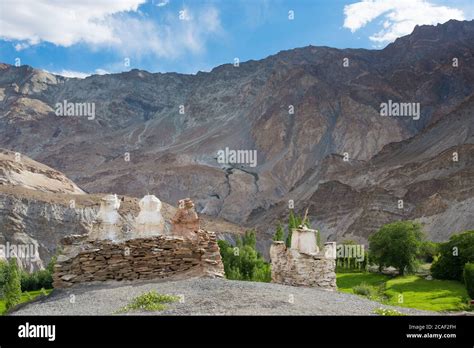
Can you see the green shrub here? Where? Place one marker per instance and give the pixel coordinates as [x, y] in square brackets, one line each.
[279, 234]
[36, 280]
[292, 224]
[428, 251]
[3, 275]
[454, 254]
[468, 274]
[294, 221]
[244, 262]
[397, 244]
[363, 289]
[150, 301]
[12, 287]
[52, 262]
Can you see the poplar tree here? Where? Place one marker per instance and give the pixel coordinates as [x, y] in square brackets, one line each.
[12, 288]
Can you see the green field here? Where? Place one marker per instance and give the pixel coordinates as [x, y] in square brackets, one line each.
[346, 281]
[416, 292]
[25, 297]
[433, 295]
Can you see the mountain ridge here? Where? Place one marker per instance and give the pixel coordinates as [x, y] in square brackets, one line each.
[247, 108]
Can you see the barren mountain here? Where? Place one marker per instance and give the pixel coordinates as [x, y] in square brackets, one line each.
[172, 126]
[18, 170]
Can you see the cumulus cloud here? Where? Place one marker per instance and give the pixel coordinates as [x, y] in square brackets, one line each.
[116, 24]
[399, 17]
[63, 23]
[176, 36]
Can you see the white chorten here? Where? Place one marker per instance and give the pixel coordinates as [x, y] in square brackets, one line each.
[304, 240]
[149, 221]
[107, 224]
[108, 212]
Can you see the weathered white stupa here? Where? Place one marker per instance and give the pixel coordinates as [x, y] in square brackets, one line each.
[304, 240]
[149, 221]
[107, 220]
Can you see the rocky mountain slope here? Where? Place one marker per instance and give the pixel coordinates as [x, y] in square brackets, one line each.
[170, 127]
[18, 170]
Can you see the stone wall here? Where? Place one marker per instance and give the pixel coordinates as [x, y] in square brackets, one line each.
[292, 267]
[85, 260]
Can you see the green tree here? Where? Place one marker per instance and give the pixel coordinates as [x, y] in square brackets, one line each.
[243, 261]
[51, 263]
[36, 280]
[429, 250]
[397, 244]
[3, 275]
[249, 238]
[292, 223]
[12, 287]
[318, 240]
[468, 275]
[453, 255]
[280, 233]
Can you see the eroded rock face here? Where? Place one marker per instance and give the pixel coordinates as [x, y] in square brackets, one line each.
[28, 220]
[17, 169]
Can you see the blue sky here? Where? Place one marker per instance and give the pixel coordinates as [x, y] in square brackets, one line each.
[78, 38]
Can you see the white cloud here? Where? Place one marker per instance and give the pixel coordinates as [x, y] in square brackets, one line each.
[399, 17]
[170, 39]
[71, 73]
[79, 74]
[63, 23]
[116, 24]
[163, 3]
[21, 46]
[101, 72]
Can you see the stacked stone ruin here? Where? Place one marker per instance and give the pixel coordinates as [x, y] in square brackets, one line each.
[303, 264]
[146, 251]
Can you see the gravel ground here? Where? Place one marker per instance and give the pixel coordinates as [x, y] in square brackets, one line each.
[204, 296]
